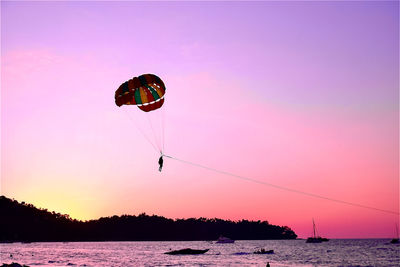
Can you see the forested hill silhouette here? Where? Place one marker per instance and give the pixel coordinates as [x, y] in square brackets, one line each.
[24, 222]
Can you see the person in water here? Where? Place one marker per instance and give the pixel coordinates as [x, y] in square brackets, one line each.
[160, 162]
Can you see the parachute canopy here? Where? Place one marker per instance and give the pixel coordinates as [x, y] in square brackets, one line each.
[145, 91]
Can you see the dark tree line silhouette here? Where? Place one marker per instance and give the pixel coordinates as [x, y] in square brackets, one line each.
[24, 222]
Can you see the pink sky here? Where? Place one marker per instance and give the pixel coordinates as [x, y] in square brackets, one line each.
[303, 95]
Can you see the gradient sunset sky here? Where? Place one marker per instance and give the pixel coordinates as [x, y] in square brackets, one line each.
[303, 95]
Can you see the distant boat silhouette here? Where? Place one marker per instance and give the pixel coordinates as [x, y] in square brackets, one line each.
[263, 251]
[224, 240]
[315, 238]
[187, 251]
[396, 240]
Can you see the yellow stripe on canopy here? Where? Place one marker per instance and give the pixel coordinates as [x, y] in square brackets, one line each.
[143, 95]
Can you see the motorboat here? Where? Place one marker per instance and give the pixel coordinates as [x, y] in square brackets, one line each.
[187, 251]
[224, 240]
[263, 251]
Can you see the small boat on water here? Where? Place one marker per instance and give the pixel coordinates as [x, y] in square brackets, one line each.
[224, 240]
[187, 251]
[396, 240]
[315, 238]
[263, 251]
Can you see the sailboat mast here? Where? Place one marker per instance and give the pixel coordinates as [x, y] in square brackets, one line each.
[313, 224]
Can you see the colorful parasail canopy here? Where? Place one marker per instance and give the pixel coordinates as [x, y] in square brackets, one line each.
[145, 91]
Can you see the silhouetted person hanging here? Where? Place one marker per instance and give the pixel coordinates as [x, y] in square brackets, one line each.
[160, 162]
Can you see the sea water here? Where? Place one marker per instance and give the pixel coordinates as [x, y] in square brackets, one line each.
[337, 252]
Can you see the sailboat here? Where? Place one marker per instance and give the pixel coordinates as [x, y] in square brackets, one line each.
[396, 240]
[315, 238]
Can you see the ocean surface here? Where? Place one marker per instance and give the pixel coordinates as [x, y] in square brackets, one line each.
[337, 252]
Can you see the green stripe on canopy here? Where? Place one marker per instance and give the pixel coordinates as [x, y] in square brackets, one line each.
[138, 99]
[153, 92]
